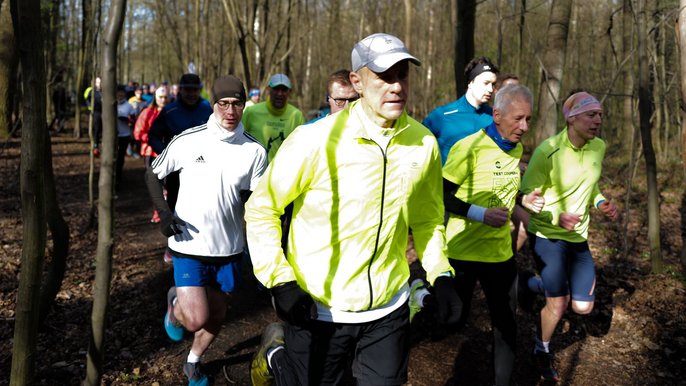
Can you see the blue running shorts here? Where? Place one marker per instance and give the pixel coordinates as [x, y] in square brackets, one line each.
[189, 272]
[566, 268]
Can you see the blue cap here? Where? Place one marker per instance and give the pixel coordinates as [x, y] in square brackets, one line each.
[280, 80]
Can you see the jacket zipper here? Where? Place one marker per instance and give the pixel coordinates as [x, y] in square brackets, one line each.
[378, 232]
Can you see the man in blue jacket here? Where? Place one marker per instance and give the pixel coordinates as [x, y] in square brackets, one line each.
[465, 116]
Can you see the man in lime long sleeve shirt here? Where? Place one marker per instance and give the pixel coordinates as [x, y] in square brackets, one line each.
[566, 168]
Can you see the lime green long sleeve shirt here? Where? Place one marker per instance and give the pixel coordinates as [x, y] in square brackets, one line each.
[568, 178]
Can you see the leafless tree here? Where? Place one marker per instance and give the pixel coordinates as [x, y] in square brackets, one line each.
[645, 108]
[26, 21]
[552, 69]
[103, 257]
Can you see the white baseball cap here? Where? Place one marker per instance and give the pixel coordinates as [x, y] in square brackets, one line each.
[379, 52]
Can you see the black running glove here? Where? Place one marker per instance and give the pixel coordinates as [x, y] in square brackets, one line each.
[170, 225]
[448, 303]
[293, 305]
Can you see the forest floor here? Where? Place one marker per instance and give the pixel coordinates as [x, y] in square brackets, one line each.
[636, 334]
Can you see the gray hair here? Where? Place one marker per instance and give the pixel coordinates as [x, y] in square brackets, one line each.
[508, 94]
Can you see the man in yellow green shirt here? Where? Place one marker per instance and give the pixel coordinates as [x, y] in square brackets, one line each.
[271, 121]
[566, 168]
[481, 181]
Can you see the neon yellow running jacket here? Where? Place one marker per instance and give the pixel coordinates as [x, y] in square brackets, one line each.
[354, 204]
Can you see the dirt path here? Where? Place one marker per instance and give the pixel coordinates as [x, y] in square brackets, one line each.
[635, 336]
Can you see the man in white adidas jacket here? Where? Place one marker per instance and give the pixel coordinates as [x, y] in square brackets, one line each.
[219, 165]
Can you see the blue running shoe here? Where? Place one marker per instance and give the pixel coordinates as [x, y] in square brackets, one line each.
[195, 376]
[172, 326]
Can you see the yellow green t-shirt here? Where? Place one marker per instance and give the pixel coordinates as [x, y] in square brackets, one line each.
[489, 177]
[271, 126]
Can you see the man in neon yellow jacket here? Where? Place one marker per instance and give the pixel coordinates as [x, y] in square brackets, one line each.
[358, 179]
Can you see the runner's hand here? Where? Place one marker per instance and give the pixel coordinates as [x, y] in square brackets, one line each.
[609, 209]
[448, 303]
[293, 305]
[533, 201]
[496, 217]
[170, 225]
[569, 220]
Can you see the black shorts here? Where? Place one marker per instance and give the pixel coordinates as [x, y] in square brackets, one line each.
[322, 353]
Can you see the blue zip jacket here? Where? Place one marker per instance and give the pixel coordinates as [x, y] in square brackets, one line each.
[456, 120]
[174, 119]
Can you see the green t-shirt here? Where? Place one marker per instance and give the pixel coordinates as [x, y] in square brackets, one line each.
[489, 177]
[271, 126]
[568, 178]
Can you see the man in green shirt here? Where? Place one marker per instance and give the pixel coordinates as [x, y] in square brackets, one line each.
[481, 180]
[271, 121]
[566, 168]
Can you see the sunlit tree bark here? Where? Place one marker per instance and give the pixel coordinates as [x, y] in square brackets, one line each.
[553, 67]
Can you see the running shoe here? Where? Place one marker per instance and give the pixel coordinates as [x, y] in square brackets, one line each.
[272, 337]
[418, 291]
[195, 376]
[544, 362]
[172, 326]
[96, 152]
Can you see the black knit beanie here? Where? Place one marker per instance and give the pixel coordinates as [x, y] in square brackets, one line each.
[228, 86]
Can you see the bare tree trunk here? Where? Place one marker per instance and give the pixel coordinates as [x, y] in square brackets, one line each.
[499, 24]
[522, 19]
[407, 6]
[103, 258]
[26, 21]
[241, 34]
[628, 101]
[681, 37]
[8, 69]
[645, 109]
[553, 67]
[86, 51]
[59, 229]
[464, 42]
[52, 16]
[95, 25]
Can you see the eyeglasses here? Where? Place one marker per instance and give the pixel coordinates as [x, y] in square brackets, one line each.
[224, 105]
[340, 102]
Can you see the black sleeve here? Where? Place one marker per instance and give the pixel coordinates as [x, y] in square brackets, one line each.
[156, 191]
[452, 203]
[156, 136]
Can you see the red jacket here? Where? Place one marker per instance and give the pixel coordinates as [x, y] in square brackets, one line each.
[143, 124]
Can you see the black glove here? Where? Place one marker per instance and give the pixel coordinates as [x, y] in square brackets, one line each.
[170, 225]
[293, 305]
[448, 303]
[244, 194]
